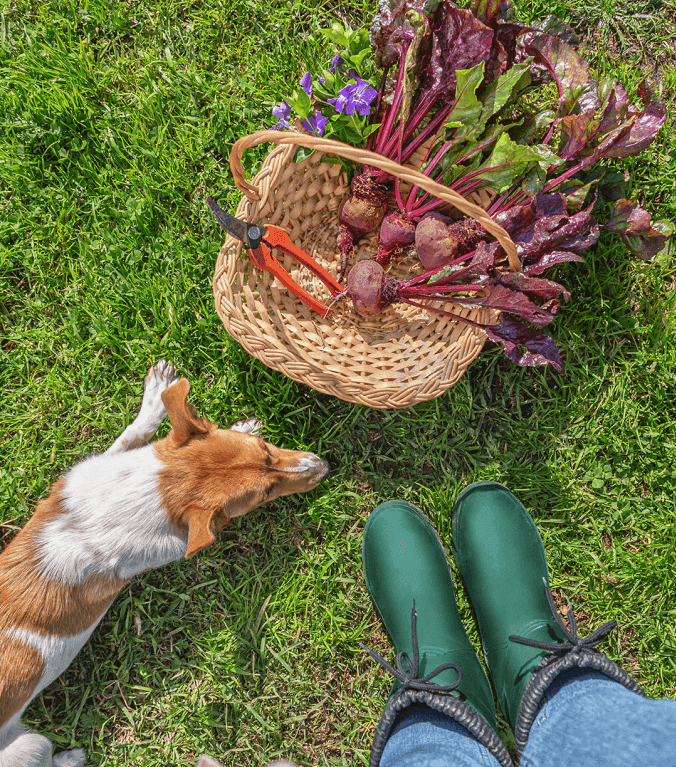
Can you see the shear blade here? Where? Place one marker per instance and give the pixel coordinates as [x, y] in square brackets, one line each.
[232, 225]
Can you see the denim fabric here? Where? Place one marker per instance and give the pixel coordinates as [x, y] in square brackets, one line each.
[585, 720]
[423, 737]
[589, 721]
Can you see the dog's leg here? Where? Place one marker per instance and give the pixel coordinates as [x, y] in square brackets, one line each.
[250, 426]
[23, 748]
[146, 423]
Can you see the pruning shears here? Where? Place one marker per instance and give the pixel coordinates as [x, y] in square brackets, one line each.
[262, 240]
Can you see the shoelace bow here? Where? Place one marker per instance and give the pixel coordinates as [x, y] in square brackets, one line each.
[575, 642]
[409, 676]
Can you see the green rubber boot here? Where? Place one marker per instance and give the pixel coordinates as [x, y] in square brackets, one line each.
[502, 561]
[409, 579]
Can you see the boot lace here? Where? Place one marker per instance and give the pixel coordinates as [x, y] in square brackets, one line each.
[575, 642]
[409, 676]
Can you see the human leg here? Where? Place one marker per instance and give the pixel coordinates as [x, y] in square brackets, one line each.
[530, 652]
[424, 737]
[584, 713]
[409, 580]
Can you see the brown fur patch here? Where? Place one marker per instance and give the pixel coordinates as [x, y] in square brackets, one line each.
[223, 474]
[21, 667]
[184, 420]
[35, 602]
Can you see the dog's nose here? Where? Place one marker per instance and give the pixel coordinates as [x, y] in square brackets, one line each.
[309, 463]
[323, 467]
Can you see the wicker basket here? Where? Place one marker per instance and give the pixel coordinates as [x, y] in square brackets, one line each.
[403, 356]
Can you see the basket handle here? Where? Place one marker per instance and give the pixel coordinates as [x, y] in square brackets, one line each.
[364, 157]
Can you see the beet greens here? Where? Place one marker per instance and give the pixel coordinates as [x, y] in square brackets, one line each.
[453, 81]
[419, 44]
[457, 84]
[473, 69]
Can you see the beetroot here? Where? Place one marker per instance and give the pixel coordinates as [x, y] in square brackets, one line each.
[359, 213]
[397, 232]
[438, 240]
[371, 289]
[366, 283]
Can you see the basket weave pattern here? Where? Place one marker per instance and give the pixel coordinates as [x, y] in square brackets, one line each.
[396, 359]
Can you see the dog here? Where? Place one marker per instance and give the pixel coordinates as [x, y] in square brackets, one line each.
[112, 516]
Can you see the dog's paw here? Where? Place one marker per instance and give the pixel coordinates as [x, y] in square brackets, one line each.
[73, 758]
[160, 377]
[251, 426]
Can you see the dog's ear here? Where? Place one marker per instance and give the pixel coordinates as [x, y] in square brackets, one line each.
[184, 420]
[200, 528]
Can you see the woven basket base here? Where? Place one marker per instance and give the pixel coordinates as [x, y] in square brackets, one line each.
[403, 356]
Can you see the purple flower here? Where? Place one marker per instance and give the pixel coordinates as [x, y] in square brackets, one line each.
[306, 83]
[336, 63]
[282, 113]
[315, 124]
[355, 97]
[340, 102]
[321, 79]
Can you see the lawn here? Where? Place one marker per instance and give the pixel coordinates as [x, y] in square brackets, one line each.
[117, 118]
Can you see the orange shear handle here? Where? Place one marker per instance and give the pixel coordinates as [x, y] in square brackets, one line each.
[264, 259]
[279, 238]
[276, 237]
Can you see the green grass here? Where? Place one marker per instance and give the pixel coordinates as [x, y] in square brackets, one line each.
[116, 118]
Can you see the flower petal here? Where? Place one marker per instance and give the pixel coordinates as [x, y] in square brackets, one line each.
[306, 83]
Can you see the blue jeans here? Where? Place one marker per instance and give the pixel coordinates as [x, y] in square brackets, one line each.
[585, 720]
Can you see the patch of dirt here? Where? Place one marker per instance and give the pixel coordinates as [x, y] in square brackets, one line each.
[623, 41]
[581, 617]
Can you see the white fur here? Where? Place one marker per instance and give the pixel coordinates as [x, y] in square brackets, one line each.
[147, 422]
[306, 463]
[113, 522]
[21, 748]
[250, 426]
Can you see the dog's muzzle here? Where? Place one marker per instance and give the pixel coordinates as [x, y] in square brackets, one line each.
[310, 463]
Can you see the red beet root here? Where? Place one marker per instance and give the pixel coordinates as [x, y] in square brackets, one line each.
[397, 232]
[365, 284]
[359, 213]
[438, 240]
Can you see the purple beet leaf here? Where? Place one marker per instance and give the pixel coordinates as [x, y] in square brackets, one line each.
[633, 225]
[512, 301]
[524, 344]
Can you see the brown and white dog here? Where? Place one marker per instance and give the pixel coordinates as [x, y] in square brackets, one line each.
[113, 516]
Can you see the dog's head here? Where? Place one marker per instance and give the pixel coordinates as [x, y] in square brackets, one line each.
[210, 475]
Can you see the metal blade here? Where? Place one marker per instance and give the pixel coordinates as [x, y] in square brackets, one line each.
[232, 225]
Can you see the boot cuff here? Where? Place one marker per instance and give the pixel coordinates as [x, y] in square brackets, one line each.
[545, 673]
[450, 705]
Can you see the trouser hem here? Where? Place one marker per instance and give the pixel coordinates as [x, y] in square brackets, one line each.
[547, 671]
[450, 705]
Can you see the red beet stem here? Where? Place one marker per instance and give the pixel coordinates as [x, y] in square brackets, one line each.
[424, 290]
[445, 313]
[428, 275]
